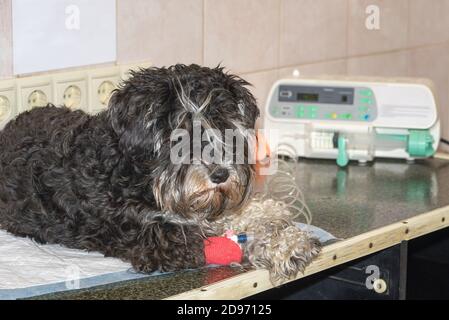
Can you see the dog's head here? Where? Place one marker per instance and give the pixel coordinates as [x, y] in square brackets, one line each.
[191, 129]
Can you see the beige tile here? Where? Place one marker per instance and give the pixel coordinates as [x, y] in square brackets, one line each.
[261, 83]
[383, 65]
[5, 39]
[162, 31]
[241, 35]
[433, 63]
[429, 21]
[337, 67]
[312, 31]
[392, 32]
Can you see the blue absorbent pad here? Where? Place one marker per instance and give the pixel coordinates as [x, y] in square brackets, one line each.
[28, 269]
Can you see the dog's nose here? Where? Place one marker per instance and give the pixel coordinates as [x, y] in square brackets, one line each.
[219, 175]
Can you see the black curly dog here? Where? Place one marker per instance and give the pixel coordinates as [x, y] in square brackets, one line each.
[106, 182]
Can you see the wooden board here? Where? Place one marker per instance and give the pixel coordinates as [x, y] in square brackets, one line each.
[256, 281]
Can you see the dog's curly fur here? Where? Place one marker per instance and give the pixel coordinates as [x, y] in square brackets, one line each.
[277, 244]
[105, 182]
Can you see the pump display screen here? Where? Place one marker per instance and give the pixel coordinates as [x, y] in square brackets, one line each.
[323, 103]
[307, 97]
[317, 94]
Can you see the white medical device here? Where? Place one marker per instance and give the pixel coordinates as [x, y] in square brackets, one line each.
[352, 120]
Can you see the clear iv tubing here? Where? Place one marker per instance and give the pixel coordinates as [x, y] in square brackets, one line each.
[283, 187]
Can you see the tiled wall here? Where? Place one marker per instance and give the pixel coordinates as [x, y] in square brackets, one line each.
[266, 39]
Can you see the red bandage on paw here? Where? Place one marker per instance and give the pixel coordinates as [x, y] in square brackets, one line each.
[222, 251]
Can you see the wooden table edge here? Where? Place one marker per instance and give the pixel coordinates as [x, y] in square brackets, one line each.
[256, 281]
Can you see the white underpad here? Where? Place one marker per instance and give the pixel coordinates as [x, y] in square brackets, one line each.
[24, 264]
[28, 269]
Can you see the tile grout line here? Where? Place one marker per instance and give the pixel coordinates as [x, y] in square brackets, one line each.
[266, 69]
[374, 54]
[347, 36]
[116, 32]
[10, 68]
[280, 24]
[203, 31]
[408, 39]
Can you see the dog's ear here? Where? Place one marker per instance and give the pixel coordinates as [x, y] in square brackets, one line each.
[138, 111]
[118, 110]
[135, 96]
[246, 102]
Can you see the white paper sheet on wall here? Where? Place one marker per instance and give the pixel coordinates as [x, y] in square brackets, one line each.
[56, 34]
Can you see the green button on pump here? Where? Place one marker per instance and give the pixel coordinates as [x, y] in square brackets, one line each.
[363, 108]
[300, 111]
[366, 92]
[366, 100]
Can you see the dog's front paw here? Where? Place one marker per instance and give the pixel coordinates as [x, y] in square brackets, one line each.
[293, 256]
[285, 253]
[167, 246]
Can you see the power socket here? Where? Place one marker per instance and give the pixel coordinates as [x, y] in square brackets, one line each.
[88, 90]
[101, 83]
[71, 90]
[34, 92]
[8, 102]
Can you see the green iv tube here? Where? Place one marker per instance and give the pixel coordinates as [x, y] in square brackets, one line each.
[342, 158]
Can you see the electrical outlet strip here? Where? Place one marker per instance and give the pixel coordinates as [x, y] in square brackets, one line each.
[88, 90]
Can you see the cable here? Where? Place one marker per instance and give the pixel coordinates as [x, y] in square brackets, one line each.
[281, 192]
